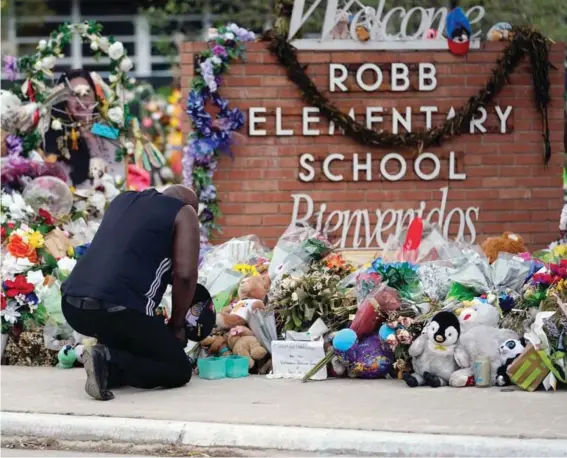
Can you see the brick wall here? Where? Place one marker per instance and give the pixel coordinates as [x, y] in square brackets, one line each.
[506, 177]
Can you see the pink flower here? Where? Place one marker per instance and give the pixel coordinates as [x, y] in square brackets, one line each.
[147, 123]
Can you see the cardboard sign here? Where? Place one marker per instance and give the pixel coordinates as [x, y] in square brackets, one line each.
[292, 359]
[105, 131]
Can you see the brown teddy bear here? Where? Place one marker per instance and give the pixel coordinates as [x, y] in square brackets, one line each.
[242, 342]
[251, 294]
[507, 243]
[217, 345]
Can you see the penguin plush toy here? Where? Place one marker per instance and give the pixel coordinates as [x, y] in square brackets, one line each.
[433, 352]
[459, 30]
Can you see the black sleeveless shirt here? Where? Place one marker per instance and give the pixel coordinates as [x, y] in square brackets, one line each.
[129, 260]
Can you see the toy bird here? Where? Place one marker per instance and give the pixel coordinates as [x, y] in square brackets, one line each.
[459, 30]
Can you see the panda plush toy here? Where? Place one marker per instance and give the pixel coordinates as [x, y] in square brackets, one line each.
[509, 351]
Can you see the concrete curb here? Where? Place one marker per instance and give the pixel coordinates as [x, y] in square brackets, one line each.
[215, 435]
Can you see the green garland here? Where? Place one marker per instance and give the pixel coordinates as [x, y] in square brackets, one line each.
[526, 42]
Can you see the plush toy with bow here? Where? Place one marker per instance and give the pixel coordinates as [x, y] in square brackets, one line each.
[459, 30]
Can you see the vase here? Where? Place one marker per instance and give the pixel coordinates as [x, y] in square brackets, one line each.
[3, 343]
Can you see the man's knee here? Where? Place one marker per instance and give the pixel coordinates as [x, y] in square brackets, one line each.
[182, 376]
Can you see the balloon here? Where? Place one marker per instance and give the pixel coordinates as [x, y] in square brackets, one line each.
[385, 331]
[344, 340]
[51, 194]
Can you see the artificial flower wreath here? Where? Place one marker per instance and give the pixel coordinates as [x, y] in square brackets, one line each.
[38, 67]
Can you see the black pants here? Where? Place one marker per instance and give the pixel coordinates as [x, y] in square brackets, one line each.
[144, 353]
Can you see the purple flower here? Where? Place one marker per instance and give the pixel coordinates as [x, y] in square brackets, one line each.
[11, 67]
[187, 162]
[14, 145]
[219, 50]
[208, 194]
[206, 216]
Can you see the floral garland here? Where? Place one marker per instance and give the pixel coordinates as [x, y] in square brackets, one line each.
[526, 42]
[210, 139]
[38, 67]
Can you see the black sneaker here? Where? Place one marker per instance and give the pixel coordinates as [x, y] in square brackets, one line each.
[96, 367]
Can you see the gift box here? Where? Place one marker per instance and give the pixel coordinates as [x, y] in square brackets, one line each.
[528, 371]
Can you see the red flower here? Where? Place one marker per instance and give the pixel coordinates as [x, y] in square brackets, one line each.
[3, 233]
[11, 225]
[46, 216]
[544, 279]
[3, 302]
[18, 286]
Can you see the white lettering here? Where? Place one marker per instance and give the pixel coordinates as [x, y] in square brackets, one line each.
[400, 72]
[337, 81]
[436, 166]
[280, 131]
[297, 198]
[422, 24]
[503, 117]
[305, 161]
[254, 119]
[403, 167]
[478, 123]
[307, 119]
[360, 73]
[427, 72]
[428, 115]
[357, 166]
[371, 118]
[453, 175]
[397, 118]
[327, 163]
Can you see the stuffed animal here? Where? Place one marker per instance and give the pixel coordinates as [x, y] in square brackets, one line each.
[242, 342]
[500, 32]
[459, 30]
[480, 337]
[66, 357]
[509, 351]
[507, 243]
[340, 31]
[433, 352]
[251, 294]
[217, 345]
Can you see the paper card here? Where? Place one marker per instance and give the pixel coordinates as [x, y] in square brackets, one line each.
[105, 131]
[292, 359]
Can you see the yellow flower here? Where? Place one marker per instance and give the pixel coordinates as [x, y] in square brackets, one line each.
[35, 239]
[246, 269]
[560, 251]
[70, 251]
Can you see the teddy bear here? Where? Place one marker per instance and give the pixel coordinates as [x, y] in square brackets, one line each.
[507, 243]
[480, 337]
[251, 294]
[340, 31]
[242, 342]
[217, 345]
[433, 352]
[500, 32]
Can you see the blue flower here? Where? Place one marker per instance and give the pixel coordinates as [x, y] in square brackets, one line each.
[81, 250]
[32, 299]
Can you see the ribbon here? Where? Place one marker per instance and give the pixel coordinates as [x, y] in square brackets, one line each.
[549, 363]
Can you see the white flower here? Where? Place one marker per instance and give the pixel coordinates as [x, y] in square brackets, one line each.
[98, 201]
[56, 125]
[66, 265]
[126, 64]
[10, 313]
[233, 28]
[132, 81]
[36, 278]
[12, 266]
[16, 205]
[3, 218]
[94, 45]
[42, 45]
[103, 44]
[229, 35]
[216, 60]
[47, 63]
[37, 65]
[129, 147]
[113, 78]
[294, 297]
[116, 50]
[116, 115]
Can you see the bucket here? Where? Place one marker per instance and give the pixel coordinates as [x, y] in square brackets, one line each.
[212, 368]
[236, 366]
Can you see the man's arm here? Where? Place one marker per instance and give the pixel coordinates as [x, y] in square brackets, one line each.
[186, 246]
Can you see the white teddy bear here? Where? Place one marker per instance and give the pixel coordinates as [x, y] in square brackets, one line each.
[480, 337]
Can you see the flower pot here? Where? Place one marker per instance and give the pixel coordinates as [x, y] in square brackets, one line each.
[4, 342]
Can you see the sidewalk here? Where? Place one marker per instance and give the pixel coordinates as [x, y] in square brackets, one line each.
[345, 412]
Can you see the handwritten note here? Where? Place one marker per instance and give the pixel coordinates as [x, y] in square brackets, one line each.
[291, 359]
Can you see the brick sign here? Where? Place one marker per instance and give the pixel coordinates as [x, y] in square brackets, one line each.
[297, 167]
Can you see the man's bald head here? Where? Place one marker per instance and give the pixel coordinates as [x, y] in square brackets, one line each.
[184, 194]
